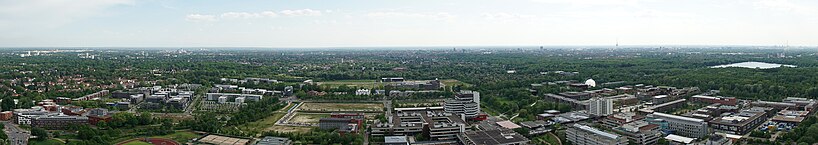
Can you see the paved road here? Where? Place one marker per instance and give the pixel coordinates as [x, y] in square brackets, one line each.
[16, 135]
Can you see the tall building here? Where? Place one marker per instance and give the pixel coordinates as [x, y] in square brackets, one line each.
[466, 103]
[600, 106]
[585, 135]
[684, 126]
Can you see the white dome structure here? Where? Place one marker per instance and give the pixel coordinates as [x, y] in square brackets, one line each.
[590, 82]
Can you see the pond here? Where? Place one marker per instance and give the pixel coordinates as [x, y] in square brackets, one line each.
[753, 65]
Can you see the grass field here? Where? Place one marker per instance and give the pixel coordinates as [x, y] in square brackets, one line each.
[308, 117]
[342, 106]
[44, 142]
[137, 143]
[179, 136]
[260, 125]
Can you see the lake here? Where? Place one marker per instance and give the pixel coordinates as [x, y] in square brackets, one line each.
[753, 65]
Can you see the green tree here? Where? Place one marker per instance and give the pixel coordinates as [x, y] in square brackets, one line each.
[41, 134]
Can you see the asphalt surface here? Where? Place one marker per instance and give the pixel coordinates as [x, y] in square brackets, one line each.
[17, 136]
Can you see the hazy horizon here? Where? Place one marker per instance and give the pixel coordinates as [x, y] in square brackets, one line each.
[422, 23]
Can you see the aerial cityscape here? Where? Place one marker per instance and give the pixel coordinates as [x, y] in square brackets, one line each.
[365, 72]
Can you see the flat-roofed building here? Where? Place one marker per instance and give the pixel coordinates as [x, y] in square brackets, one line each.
[684, 126]
[579, 134]
[620, 119]
[492, 137]
[640, 132]
[740, 123]
[466, 103]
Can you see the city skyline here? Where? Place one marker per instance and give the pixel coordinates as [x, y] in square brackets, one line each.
[365, 23]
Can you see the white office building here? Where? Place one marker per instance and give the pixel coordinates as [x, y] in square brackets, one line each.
[466, 103]
[600, 106]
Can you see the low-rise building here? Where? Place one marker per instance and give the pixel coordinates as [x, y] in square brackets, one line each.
[579, 134]
[620, 119]
[640, 132]
[684, 126]
[740, 123]
[269, 140]
[492, 137]
[57, 121]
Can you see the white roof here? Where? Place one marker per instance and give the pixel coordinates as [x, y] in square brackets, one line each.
[681, 139]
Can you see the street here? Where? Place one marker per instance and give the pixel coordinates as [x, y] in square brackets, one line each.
[16, 135]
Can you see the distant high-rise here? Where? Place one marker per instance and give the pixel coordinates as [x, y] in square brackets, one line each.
[464, 102]
[600, 106]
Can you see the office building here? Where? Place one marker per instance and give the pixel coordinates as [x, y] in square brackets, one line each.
[600, 106]
[579, 134]
[57, 121]
[684, 126]
[466, 103]
[640, 132]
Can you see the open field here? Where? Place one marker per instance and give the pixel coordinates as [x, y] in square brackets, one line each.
[179, 136]
[280, 128]
[45, 142]
[308, 117]
[309, 106]
[453, 82]
[137, 143]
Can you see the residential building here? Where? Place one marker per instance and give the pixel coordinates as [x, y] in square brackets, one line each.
[600, 106]
[363, 92]
[684, 126]
[579, 134]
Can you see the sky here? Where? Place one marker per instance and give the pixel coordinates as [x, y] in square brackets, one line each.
[374, 23]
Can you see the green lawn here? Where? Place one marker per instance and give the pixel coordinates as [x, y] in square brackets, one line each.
[45, 142]
[179, 136]
[137, 143]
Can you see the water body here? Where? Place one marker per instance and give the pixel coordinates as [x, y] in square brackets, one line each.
[753, 65]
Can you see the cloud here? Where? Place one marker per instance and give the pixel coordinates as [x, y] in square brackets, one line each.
[39, 14]
[252, 15]
[783, 6]
[590, 2]
[200, 18]
[506, 16]
[301, 12]
[247, 15]
[433, 16]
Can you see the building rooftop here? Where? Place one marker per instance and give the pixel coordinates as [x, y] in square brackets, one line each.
[493, 137]
[677, 117]
[597, 132]
[682, 139]
[395, 139]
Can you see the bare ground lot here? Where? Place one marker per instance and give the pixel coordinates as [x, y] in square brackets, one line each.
[310, 106]
[308, 117]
